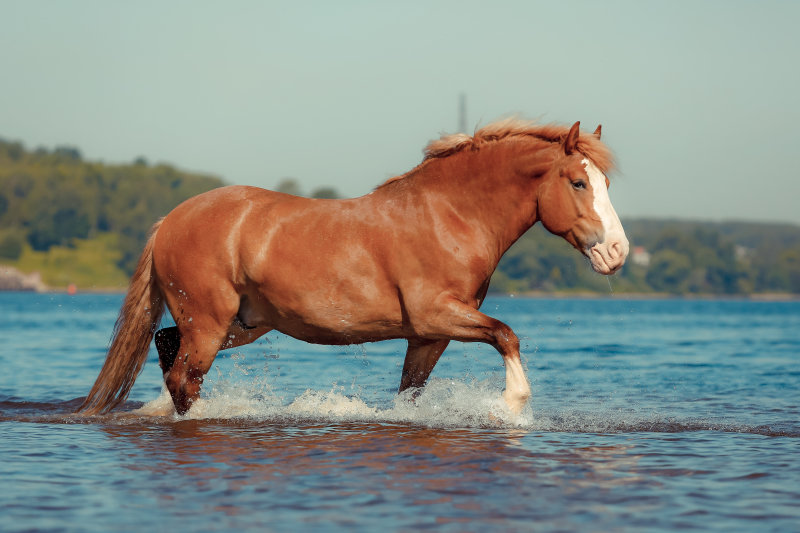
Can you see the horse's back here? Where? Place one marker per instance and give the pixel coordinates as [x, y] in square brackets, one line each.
[229, 200]
[201, 235]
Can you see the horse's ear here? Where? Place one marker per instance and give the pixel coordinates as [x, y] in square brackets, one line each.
[572, 138]
[597, 131]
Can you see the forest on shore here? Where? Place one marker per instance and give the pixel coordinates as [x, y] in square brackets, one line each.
[84, 223]
[676, 257]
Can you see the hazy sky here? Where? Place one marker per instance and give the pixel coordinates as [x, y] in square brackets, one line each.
[699, 100]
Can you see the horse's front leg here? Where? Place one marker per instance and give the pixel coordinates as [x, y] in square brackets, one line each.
[458, 321]
[421, 357]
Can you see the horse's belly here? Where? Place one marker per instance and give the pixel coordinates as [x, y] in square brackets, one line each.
[321, 276]
[345, 335]
[322, 322]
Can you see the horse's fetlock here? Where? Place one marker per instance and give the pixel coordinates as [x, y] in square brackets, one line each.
[516, 399]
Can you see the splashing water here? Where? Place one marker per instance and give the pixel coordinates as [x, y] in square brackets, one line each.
[243, 395]
[442, 403]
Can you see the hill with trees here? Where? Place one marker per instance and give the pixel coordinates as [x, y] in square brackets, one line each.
[667, 256]
[83, 222]
[54, 202]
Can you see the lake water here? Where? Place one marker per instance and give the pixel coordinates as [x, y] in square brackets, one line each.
[645, 415]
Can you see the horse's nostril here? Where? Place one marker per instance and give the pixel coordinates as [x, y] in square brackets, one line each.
[615, 250]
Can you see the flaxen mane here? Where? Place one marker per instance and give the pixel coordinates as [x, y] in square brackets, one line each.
[588, 144]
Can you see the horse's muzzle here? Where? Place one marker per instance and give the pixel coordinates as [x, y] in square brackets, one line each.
[609, 256]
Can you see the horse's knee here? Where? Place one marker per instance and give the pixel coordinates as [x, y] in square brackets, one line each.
[505, 340]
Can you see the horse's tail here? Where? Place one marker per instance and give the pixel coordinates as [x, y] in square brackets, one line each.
[137, 322]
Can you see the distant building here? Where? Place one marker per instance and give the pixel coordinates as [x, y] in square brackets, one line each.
[640, 256]
[12, 279]
[742, 253]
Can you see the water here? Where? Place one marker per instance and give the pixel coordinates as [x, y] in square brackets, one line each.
[646, 415]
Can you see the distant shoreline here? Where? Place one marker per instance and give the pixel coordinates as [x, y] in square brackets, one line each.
[534, 295]
[566, 295]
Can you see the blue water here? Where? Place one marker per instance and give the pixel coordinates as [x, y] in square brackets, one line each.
[646, 415]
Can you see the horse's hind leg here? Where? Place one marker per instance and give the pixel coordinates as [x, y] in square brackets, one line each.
[186, 356]
[168, 341]
[198, 347]
[239, 334]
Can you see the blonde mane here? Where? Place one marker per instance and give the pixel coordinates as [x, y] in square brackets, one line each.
[588, 144]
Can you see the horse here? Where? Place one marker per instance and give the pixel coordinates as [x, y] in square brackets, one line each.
[410, 260]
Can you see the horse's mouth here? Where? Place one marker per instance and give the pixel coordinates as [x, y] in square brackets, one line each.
[607, 258]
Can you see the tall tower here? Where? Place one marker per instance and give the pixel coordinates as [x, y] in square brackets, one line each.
[462, 113]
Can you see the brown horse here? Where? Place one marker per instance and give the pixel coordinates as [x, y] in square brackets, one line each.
[410, 260]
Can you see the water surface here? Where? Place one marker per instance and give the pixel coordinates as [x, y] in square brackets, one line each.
[651, 415]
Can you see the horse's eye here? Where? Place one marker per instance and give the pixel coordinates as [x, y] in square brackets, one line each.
[579, 184]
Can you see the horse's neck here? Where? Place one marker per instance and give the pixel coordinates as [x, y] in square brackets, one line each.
[485, 188]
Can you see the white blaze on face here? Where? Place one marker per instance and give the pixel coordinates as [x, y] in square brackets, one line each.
[613, 249]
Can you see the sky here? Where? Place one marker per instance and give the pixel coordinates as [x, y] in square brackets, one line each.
[699, 101]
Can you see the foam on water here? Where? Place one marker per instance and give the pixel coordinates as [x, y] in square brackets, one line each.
[442, 403]
[240, 393]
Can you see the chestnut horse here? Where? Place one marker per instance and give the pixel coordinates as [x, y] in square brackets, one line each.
[410, 260]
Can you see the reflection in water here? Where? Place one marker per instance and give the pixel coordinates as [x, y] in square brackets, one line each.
[365, 464]
[243, 472]
[637, 431]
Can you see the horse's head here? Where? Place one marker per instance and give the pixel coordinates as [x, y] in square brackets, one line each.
[573, 202]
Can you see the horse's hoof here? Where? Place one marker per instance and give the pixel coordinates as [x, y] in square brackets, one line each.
[516, 401]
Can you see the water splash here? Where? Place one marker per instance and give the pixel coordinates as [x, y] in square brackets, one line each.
[442, 403]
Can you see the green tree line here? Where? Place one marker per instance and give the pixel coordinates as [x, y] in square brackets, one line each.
[54, 198]
[667, 256]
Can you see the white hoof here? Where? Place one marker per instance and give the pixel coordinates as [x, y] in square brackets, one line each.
[517, 388]
[516, 400]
